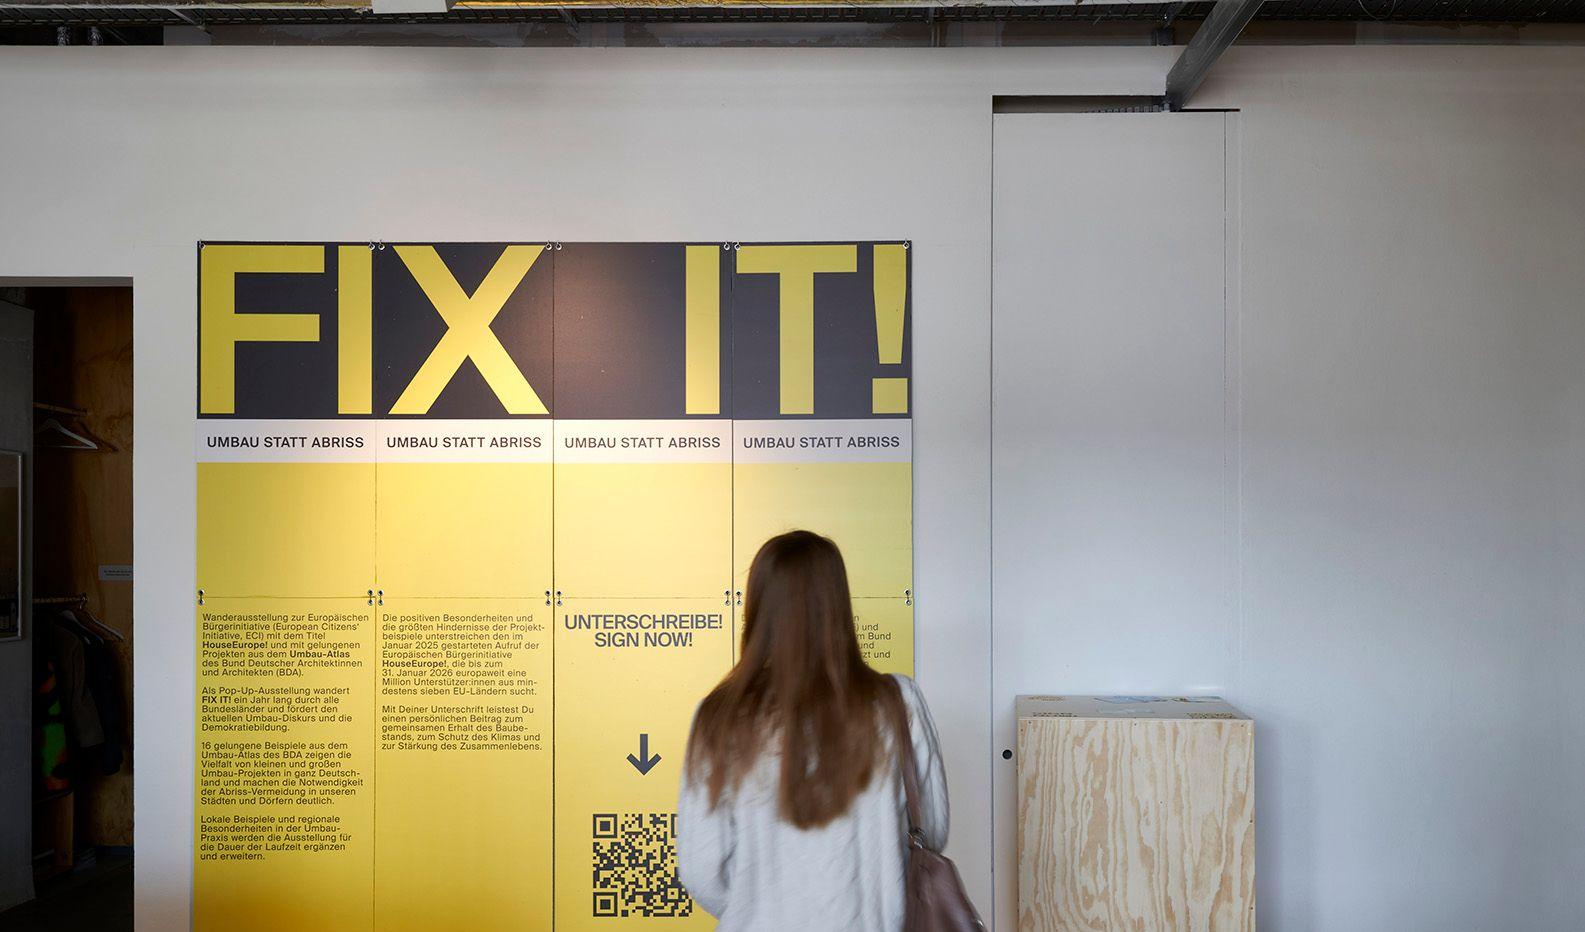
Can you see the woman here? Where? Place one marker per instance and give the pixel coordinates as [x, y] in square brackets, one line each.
[792, 807]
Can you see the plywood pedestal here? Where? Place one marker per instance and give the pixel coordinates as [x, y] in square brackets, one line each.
[1135, 813]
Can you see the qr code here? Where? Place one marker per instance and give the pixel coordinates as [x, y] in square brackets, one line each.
[635, 866]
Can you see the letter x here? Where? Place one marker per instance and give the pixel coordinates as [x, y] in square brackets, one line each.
[468, 333]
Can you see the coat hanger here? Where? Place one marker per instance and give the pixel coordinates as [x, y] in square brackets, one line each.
[83, 620]
[80, 442]
[74, 609]
[86, 619]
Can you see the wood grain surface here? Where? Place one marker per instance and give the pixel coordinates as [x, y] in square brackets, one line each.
[83, 501]
[1135, 824]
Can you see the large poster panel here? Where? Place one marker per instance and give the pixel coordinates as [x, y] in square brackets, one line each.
[473, 524]
[823, 435]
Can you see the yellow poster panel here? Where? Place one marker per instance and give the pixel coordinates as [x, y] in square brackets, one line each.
[464, 762]
[629, 674]
[285, 529]
[643, 529]
[551, 549]
[885, 629]
[866, 508]
[284, 834]
[464, 529]
[886, 633]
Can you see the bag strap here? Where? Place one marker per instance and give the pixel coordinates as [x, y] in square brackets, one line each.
[906, 763]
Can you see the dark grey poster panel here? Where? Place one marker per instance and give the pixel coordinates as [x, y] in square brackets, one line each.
[758, 331]
[463, 330]
[275, 378]
[821, 330]
[642, 330]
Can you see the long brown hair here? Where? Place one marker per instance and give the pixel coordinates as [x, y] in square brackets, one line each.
[801, 681]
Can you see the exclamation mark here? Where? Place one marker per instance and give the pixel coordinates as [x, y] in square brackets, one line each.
[889, 395]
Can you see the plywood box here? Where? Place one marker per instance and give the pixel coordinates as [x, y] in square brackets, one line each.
[1135, 813]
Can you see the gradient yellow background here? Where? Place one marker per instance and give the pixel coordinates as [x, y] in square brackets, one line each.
[894, 617]
[301, 891]
[464, 529]
[867, 508]
[463, 837]
[651, 530]
[605, 698]
[285, 529]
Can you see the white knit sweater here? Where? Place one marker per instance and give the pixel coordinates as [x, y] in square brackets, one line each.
[752, 871]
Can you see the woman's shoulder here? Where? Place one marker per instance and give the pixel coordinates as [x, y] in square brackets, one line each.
[912, 695]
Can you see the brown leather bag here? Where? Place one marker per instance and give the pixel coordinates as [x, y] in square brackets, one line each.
[934, 897]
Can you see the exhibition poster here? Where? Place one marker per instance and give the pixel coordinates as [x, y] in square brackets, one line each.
[474, 522]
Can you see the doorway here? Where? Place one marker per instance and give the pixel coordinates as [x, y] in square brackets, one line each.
[67, 399]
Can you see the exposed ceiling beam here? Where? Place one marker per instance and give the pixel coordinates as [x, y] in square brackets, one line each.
[1222, 25]
[215, 13]
[407, 7]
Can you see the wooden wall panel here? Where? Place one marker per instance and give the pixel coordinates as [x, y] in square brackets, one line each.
[83, 500]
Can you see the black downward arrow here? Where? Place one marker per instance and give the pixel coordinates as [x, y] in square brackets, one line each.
[643, 763]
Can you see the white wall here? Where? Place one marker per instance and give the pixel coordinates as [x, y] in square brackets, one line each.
[1412, 475]
[1410, 519]
[132, 155]
[1403, 452]
[1112, 478]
